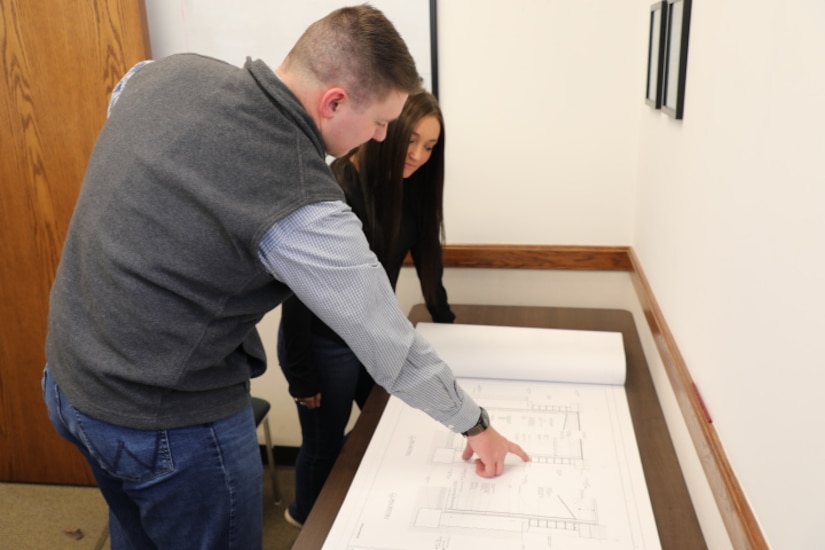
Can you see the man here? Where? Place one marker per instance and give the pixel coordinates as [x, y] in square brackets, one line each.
[206, 202]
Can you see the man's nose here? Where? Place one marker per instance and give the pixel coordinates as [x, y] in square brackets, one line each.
[380, 133]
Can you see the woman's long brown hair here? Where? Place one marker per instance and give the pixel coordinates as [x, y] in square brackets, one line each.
[381, 167]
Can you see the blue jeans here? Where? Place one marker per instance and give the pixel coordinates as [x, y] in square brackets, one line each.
[193, 487]
[343, 380]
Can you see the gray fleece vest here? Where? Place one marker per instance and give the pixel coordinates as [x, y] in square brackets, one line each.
[159, 289]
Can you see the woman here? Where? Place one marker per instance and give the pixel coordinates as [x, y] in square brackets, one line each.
[395, 187]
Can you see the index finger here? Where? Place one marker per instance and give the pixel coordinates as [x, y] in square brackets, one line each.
[519, 452]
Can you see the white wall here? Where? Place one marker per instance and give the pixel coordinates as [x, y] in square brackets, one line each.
[541, 105]
[266, 30]
[730, 230]
[550, 142]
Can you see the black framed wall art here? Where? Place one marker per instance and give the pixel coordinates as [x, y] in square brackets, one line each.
[676, 51]
[656, 54]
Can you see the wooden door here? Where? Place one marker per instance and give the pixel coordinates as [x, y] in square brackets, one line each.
[59, 61]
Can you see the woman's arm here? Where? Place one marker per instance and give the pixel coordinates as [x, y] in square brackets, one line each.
[438, 306]
[295, 349]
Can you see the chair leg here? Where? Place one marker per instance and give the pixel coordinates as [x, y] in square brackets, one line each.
[270, 458]
[101, 541]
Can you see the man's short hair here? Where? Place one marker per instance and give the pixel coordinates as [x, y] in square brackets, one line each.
[358, 49]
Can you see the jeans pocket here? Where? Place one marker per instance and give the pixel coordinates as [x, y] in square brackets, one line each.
[129, 454]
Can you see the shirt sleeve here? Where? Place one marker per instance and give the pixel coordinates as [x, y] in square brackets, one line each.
[320, 252]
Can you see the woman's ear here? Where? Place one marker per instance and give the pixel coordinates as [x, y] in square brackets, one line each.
[332, 100]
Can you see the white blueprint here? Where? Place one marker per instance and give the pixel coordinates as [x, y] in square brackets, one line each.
[583, 489]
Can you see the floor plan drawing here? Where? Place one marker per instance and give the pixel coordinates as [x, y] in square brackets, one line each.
[583, 488]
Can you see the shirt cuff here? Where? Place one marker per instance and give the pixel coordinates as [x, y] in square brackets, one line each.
[466, 417]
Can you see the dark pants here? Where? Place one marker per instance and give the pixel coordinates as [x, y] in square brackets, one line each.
[343, 380]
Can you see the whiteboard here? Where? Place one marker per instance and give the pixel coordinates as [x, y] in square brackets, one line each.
[267, 30]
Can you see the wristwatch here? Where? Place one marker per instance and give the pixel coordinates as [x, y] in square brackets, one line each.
[482, 424]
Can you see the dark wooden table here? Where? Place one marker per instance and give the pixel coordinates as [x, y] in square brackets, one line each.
[675, 517]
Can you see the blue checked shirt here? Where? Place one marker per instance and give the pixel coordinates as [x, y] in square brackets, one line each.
[320, 252]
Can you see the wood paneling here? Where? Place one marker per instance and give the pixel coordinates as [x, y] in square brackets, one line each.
[60, 61]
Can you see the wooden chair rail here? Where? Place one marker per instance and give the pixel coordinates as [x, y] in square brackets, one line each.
[581, 258]
[736, 513]
[588, 258]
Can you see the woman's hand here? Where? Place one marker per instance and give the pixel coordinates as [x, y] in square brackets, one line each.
[312, 402]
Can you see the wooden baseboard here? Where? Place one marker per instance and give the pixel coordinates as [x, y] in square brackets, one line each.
[737, 515]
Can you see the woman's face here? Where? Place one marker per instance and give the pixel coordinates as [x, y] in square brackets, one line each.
[422, 141]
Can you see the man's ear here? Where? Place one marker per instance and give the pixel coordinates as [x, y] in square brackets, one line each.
[332, 100]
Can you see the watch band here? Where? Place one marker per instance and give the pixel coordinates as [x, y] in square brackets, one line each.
[482, 424]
